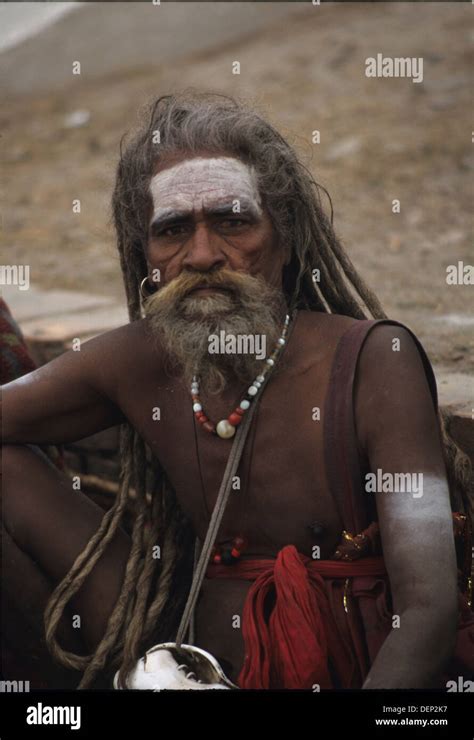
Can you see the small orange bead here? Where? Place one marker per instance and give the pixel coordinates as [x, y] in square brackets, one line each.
[234, 419]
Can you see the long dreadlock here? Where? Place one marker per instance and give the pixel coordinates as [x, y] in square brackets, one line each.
[153, 591]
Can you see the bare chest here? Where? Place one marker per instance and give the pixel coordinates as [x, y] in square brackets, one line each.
[280, 493]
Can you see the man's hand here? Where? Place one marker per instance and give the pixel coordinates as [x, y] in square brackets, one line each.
[398, 428]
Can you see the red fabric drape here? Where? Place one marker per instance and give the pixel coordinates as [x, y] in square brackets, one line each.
[291, 638]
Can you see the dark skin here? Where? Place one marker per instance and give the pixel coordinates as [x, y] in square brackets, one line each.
[121, 375]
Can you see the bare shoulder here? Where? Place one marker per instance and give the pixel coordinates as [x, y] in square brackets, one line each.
[392, 386]
[326, 325]
[121, 351]
[390, 349]
[123, 341]
[381, 343]
[318, 318]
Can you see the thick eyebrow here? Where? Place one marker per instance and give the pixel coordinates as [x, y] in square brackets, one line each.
[167, 217]
[171, 216]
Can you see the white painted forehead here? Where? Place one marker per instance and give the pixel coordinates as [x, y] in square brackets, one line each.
[204, 179]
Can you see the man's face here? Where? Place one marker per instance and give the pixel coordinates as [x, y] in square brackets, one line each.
[219, 265]
[207, 215]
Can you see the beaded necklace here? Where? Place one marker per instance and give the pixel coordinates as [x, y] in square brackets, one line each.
[225, 428]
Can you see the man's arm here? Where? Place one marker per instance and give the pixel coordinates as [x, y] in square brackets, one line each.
[398, 428]
[67, 399]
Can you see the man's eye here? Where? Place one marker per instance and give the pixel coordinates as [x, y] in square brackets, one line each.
[172, 230]
[233, 222]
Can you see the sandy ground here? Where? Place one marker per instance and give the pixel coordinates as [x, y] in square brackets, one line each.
[381, 139]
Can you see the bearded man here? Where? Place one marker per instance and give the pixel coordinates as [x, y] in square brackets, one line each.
[221, 233]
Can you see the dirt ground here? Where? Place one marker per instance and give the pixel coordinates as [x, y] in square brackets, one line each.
[381, 139]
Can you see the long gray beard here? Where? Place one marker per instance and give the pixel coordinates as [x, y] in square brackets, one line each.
[183, 324]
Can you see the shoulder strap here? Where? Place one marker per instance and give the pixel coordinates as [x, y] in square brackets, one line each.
[345, 463]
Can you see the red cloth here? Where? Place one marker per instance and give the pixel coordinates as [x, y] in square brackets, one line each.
[299, 642]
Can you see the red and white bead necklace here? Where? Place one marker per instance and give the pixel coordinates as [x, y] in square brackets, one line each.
[226, 427]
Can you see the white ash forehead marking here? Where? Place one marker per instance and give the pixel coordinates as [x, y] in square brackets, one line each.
[203, 182]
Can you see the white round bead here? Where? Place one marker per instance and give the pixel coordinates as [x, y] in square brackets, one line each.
[281, 341]
[270, 361]
[197, 407]
[225, 430]
[256, 383]
[252, 391]
[260, 378]
[244, 405]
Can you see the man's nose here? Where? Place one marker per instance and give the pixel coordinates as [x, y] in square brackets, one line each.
[204, 252]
